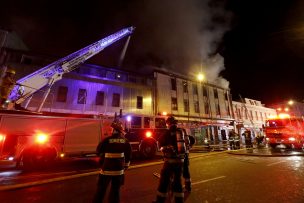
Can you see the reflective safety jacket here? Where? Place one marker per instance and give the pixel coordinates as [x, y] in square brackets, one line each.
[115, 155]
[6, 86]
[172, 144]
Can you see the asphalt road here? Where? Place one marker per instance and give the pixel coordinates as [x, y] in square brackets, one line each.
[216, 177]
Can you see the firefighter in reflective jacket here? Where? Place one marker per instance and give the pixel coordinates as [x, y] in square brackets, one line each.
[7, 84]
[189, 142]
[172, 144]
[115, 154]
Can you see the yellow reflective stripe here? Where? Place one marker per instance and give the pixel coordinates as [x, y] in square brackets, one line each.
[127, 163]
[178, 194]
[114, 155]
[161, 194]
[117, 140]
[112, 173]
[174, 160]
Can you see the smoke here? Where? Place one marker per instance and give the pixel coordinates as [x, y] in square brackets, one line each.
[183, 36]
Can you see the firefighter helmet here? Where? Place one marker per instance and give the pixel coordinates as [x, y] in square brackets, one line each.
[117, 125]
[171, 120]
[10, 71]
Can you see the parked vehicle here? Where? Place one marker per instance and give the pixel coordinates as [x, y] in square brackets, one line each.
[285, 131]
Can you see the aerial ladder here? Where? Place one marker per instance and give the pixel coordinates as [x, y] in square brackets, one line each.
[48, 75]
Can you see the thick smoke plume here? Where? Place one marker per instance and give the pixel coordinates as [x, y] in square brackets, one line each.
[184, 35]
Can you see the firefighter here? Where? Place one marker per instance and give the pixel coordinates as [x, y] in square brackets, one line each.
[247, 135]
[237, 141]
[189, 142]
[115, 155]
[172, 144]
[231, 139]
[6, 85]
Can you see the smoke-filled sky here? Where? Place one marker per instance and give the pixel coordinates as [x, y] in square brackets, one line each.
[254, 47]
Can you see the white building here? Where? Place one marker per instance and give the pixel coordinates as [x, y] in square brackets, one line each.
[251, 114]
[204, 108]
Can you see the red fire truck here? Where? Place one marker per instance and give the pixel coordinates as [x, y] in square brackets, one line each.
[32, 139]
[285, 131]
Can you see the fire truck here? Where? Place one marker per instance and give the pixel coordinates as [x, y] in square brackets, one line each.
[33, 140]
[285, 131]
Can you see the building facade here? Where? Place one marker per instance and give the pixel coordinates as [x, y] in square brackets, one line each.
[251, 114]
[203, 108]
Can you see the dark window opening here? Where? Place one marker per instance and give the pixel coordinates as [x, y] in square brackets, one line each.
[62, 94]
[82, 96]
[136, 122]
[139, 103]
[147, 122]
[99, 98]
[173, 84]
[116, 100]
[174, 103]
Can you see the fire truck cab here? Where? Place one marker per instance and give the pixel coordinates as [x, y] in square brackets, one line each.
[285, 131]
[143, 133]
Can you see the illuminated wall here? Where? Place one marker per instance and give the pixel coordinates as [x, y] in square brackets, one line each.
[134, 92]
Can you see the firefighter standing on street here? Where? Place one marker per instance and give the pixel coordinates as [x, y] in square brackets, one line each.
[115, 155]
[6, 85]
[189, 142]
[172, 144]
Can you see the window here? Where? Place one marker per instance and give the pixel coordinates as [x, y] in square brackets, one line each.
[136, 122]
[251, 115]
[62, 94]
[147, 122]
[217, 108]
[82, 96]
[174, 103]
[206, 104]
[173, 84]
[261, 115]
[186, 105]
[185, 87]
[246, 114]
[215, 93]
[226, 96]
[205, 93]
[195, 92]
[116, 100]
[139, 103]
[196, 107]
[99, 100]
[256, 116]
[160, 123]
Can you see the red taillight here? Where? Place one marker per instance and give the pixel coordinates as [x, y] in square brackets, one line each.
[41, 138]
[148, 134]
[2, 138]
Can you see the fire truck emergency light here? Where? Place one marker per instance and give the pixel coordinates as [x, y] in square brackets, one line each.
[148, 134]
[41, 138]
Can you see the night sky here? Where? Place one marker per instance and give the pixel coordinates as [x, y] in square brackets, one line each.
[254, 47]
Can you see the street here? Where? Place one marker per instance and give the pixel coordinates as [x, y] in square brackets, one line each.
[216, 177]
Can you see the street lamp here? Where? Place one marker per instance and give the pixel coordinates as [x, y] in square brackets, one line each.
[290, 102]
[200, 77]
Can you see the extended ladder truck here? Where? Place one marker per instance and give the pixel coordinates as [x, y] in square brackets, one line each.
[32, 139]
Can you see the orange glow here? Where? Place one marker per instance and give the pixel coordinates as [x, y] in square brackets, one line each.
[148, 134]
[41, 138]
[2, 138]
[284, 115]
[62, 155]
[164, 113]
